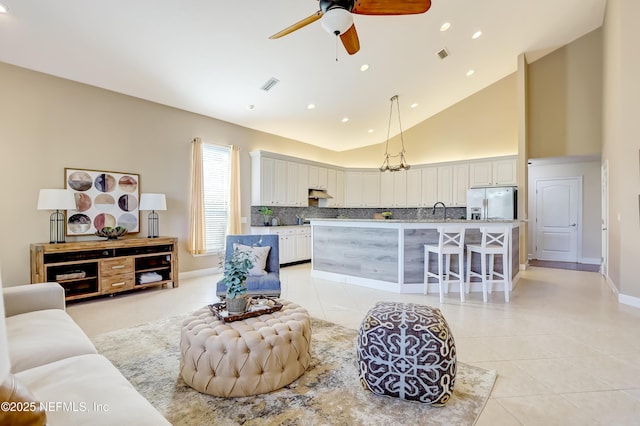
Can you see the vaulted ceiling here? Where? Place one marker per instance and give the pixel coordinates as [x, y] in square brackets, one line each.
[212, 57]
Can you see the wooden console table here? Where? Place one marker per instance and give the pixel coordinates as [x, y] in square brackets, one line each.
[94, 268]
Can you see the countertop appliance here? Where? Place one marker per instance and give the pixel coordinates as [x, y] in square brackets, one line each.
[496, 202]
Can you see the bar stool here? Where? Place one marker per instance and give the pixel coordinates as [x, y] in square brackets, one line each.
[495, 241]
[450, 241]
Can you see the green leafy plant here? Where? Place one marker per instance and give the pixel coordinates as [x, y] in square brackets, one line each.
[387, 214]
[266, 212]
[236, 270]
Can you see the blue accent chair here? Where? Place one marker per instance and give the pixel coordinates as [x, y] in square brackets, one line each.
[265, 285]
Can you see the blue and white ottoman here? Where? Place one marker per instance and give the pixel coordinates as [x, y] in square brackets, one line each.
[406, 351]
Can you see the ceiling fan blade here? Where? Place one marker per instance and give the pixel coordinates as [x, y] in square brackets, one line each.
[350, 40]
[390, 7]
[303, 23]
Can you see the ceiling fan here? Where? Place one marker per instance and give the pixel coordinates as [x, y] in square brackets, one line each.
[337, 19]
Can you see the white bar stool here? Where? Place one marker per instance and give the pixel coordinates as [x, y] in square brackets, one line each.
[495, 241]
[450, 241]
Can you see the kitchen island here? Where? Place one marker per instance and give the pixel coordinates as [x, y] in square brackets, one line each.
[389, 254]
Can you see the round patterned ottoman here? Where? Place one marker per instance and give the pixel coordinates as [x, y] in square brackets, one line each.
[247, 357]
[406, 351]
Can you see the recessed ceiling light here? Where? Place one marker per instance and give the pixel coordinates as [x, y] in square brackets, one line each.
[414, 105]
[311, 106]
[364, 67]
[370, 131]
[476, 35]
[250, 107]
[345, 119]
[445, 26]
[470, 73]
[4, 8]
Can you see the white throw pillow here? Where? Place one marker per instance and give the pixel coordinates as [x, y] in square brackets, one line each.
[258, 257]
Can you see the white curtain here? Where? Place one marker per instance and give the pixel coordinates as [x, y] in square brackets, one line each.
[197, 240]
[234, 225]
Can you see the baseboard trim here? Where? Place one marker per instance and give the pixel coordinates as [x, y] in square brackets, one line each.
[590, 261]
[629, 300]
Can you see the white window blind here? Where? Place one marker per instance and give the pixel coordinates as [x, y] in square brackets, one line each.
[215, 168]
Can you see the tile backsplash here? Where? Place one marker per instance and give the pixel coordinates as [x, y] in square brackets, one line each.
[289, 215]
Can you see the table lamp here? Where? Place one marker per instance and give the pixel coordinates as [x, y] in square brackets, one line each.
[56, 199]
[153, 202]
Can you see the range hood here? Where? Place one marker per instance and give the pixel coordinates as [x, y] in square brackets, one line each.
[318, 194]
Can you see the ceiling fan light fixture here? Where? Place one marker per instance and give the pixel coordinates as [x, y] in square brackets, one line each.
[336, 21]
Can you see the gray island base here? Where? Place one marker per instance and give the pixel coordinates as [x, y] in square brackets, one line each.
[389, 254]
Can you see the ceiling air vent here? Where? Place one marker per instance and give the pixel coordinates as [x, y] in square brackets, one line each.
[269, 84]
[442, 53]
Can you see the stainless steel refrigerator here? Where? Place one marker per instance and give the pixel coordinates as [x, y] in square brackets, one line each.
[499, 202]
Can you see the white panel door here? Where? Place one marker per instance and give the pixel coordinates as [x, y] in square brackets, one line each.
[557, 219]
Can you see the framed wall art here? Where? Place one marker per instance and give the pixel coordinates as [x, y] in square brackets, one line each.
[103, 198]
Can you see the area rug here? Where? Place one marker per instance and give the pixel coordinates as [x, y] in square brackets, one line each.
[329, 393]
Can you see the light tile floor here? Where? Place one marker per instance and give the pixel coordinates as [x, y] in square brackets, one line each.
[565, 351]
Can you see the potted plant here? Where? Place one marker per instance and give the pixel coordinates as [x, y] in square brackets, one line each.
[266, 213]
[387, 215]
[236, 270]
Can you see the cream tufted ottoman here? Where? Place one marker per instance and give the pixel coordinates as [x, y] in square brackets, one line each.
[247, 357]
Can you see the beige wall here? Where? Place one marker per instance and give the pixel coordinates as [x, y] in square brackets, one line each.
[48, 123]
[565, 98]
[482, 125]
[621, 132]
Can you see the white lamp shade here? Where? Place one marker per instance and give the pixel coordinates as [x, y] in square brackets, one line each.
[5, 364]
[336, 20]
[153, 202]
[56, 199]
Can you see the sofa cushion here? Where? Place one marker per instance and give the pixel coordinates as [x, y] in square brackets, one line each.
[40, 337]
[94, 391]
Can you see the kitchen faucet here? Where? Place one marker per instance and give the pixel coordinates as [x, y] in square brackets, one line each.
[445, 209]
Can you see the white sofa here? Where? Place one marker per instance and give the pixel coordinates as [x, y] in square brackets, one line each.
[50, 356]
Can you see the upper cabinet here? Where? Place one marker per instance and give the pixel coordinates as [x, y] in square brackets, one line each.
[493, 173]
[335, 188]
[318, 177]
[362, 189]
[276, 182]
[393, 189]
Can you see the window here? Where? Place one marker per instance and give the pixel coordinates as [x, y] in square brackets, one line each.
[215, 168]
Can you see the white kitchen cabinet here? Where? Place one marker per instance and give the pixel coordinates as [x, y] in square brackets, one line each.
[318, 177]
[335, 188]
[294, 241]
[445, 184]
[276, 182]
[353, 189]
[460, 184]
[292, 185]
[492, 173]
[362, 189]
[262, 169]
[386, 189]
[303, 186]
[430, 190]
[371, 189]
[504, 172]
[303, 243]
[338, 196]
[414, 188]
[280, 182]
[393, 189]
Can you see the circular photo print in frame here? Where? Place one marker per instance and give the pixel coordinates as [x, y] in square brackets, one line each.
[103, 197]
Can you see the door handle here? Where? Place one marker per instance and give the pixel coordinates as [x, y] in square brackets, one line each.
[574, 224]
